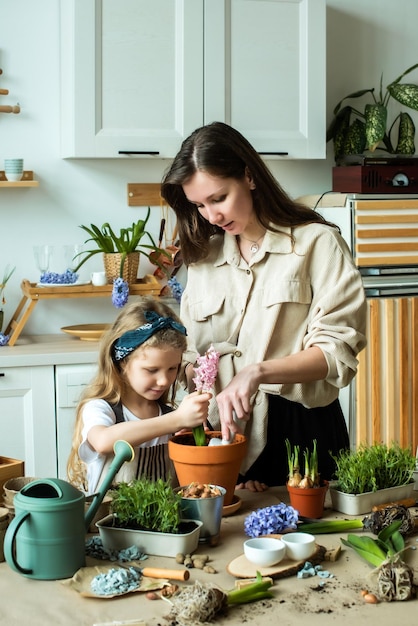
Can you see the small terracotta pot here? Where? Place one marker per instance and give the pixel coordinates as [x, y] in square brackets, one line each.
[216, 465]
[308, 502]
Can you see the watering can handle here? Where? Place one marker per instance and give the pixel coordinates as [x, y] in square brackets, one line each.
[123, 452]
[9, 543]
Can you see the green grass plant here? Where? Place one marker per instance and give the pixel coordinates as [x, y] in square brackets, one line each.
[147, 504]
[373, 467]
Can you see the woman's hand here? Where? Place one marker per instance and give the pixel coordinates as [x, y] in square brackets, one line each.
[234, 402]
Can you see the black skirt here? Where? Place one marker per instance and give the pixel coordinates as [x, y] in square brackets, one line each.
[291, 420]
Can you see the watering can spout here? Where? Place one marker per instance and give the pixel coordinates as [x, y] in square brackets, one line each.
[123, 452]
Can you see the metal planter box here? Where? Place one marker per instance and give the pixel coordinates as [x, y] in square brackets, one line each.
[151, 543]
[358, 504]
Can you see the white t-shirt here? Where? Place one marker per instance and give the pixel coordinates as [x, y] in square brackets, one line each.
[100, 413]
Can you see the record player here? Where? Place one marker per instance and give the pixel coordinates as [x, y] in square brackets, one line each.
[361, 174]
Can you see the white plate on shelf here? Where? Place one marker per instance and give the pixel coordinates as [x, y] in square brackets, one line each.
[76, 284]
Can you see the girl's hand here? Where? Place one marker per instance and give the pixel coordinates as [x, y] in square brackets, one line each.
[234, 401]
[193, 410]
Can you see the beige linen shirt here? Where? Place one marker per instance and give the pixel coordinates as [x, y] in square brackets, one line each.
[288, 298]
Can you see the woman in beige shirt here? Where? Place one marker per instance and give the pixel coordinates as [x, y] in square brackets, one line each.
[274, 288]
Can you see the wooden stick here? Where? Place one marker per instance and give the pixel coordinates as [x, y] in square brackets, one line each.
[9, 109]
[161, 572]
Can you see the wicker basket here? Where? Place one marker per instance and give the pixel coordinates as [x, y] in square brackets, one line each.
[112, 263]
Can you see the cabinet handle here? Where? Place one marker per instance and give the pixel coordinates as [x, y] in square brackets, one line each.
[274, 153]
[138, 152]
[2, 374]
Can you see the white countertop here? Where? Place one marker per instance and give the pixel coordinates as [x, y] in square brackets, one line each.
[31, 350]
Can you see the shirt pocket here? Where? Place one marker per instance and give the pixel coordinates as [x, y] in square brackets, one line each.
[201, 310]
[282, 291]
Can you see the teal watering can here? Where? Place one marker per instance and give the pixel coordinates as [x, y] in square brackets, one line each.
[46, 538]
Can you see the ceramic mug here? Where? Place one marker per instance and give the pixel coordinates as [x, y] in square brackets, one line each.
[98, 279]
[13, 169]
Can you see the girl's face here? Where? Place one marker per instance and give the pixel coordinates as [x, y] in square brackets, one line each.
[224, 202]
[151, 371]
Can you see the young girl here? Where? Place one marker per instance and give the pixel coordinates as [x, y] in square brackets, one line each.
[139, 360]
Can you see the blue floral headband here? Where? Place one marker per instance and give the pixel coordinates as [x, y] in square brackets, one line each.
[132, 339]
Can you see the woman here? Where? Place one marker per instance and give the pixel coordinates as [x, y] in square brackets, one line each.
[273, 287]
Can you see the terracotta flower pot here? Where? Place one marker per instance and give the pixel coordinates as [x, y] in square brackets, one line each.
[308, 502]
[216, 465]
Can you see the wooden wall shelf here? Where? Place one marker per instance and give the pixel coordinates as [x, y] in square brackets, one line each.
[144, 194]
[32, 293]
[27, 180]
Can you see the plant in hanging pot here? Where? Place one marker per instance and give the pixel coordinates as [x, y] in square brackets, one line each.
[147, 513]
[372, 475]
[307, 493]
[202, 456]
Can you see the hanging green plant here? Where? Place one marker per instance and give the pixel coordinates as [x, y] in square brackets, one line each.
[353, 130]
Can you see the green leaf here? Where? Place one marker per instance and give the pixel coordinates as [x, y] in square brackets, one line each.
[355, 138]
[199, 436]
[406, 135]
[406, 94]
[367, 548]
[410, 69]
[387, 532]
[376, 115]
[355, 94]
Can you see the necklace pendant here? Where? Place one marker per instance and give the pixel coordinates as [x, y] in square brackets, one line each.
[254, 248]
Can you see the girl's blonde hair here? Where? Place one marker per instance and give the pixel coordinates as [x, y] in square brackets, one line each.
[109, 382]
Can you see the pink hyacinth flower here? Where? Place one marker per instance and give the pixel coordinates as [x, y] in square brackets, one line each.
[207, 370]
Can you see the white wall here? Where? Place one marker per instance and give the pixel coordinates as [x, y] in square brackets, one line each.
[363, 39]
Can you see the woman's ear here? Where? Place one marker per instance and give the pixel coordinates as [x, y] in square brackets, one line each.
[249, 178]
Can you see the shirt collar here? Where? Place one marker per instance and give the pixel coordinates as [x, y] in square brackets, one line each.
[274, 243]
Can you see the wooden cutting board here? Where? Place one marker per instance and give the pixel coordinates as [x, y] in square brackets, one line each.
[241, 567]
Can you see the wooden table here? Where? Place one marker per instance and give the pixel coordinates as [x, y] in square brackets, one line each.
[314, 601]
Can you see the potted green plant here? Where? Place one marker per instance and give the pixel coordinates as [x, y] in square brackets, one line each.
[354, 129]
[146, 513]
[307, 493]
[371, 475]
[120, 251]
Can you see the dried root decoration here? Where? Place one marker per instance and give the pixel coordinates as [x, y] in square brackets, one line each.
[202, 602]
[383, 518]
[197, 603]
[395, 580]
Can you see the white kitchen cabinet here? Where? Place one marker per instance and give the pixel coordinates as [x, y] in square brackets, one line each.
[70, 383]
[139, 76]
[131, 76]
[27, 418]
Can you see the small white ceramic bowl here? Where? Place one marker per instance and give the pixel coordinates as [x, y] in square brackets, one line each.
[299, 546]
[264, 551]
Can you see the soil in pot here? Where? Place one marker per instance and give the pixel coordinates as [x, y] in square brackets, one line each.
[216, 465]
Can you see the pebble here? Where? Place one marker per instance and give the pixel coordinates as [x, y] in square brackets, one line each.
[94, 548]
[309, 570]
